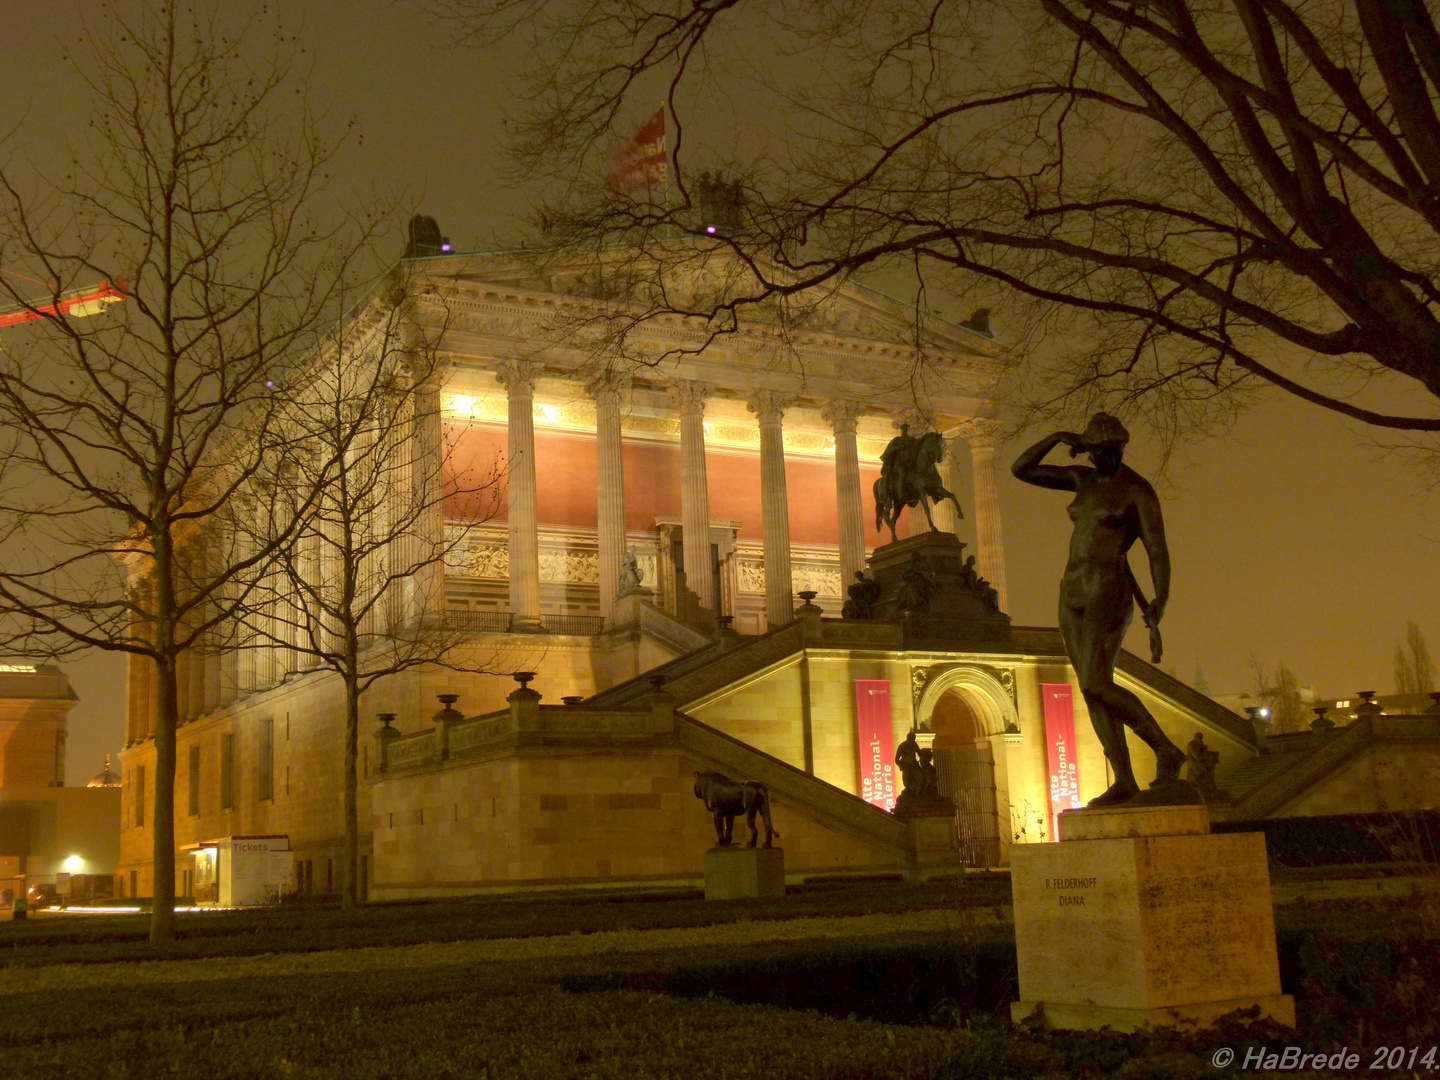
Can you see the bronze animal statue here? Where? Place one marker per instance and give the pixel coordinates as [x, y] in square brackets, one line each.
[727, 799]
[909, 476]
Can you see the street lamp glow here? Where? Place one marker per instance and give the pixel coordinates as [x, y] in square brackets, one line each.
[74, 864]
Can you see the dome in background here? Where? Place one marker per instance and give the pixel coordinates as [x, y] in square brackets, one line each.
[106, 778]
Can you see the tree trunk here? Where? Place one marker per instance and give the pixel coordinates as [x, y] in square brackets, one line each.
[162, 820]
[350, 893]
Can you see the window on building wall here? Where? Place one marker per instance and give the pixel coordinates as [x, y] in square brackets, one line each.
[140, 796]
[227, 771]
[266, 761]
[194, 780]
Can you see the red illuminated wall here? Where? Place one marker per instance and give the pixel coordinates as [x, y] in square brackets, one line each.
[565, 472]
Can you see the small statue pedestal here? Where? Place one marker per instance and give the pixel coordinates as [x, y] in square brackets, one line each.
[1141, 917]
[744, 873]
[932, 833]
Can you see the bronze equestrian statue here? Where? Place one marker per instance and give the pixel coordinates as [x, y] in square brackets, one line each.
[727, 799]
[1113, 507]
[909, 476]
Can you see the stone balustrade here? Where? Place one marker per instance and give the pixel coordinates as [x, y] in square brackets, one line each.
[525, 721]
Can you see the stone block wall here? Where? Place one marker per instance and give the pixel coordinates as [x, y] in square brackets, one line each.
[580, 819]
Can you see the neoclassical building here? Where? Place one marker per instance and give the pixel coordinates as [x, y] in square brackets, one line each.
[735, 470]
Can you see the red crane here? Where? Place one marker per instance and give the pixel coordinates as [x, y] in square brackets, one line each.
[78, 302]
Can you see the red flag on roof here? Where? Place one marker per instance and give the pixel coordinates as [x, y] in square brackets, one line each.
[640, 162]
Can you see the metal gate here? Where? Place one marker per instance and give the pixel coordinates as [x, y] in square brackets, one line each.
[968, 778]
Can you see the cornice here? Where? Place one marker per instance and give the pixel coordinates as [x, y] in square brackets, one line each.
[847, 346]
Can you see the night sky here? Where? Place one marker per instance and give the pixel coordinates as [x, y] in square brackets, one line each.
[1292, 537]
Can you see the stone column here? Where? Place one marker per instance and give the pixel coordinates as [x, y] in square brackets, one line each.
[518, 378]
[610, 487]
[945, 516]
[980, 434]
[427, 459]
[695, 504]
[769, 408]
[849, 499]
[135, 679]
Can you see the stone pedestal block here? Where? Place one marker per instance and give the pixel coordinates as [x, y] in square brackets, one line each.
[625, 608]
[927, 578]
[1143, 918]
[744, 873]
[932, 840]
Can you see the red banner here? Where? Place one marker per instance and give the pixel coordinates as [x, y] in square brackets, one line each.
[1060, 748]
[875, 742]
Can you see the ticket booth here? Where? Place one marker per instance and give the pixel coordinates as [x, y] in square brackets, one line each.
[242, 871]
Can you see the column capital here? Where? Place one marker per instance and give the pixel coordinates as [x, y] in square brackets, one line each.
[769, 405]
[978, 431]
[425, 368]
[918, 420]
[689, 396]
[517, 376]
[607, 387]
[842, 416]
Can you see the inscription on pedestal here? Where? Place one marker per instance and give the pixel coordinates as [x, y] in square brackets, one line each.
[1143, 930]
[1070, 889]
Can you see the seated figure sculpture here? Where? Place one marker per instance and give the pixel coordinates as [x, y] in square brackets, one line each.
[863, 595]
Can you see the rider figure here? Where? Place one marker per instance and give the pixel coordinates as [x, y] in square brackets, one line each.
[909, 477]
[897, 461]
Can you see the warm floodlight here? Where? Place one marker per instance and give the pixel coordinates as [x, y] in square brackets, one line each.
[74, 864]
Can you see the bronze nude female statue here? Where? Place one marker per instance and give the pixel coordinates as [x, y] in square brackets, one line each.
[1113, 507]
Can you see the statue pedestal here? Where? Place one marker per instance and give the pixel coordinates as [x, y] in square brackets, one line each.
[744, 873]
[932, 835]
[1141, 917]
[925, 577]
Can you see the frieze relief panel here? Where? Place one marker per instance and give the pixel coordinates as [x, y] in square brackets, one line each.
[809, 571]
[573, 560]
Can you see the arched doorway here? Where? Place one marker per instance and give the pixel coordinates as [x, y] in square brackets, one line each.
[965, 771]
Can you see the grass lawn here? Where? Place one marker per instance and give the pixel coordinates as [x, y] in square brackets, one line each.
[872, 980]
[452, 989]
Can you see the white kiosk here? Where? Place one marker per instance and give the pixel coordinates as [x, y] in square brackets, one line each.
[243, 871]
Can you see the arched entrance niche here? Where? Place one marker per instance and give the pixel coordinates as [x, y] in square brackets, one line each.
[967, 713]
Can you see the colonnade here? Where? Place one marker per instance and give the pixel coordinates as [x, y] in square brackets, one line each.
[214, 677]
[769, 408]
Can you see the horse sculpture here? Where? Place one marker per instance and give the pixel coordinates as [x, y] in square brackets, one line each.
[727, 799]
[909, 476]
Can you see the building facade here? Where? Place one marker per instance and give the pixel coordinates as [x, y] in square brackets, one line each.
[48, 832]
[657, 518]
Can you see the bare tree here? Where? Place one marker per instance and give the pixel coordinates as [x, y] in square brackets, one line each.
[1414, 670]
[193, 194]
[1279, 692]
[1199, 200]
[358, 588]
